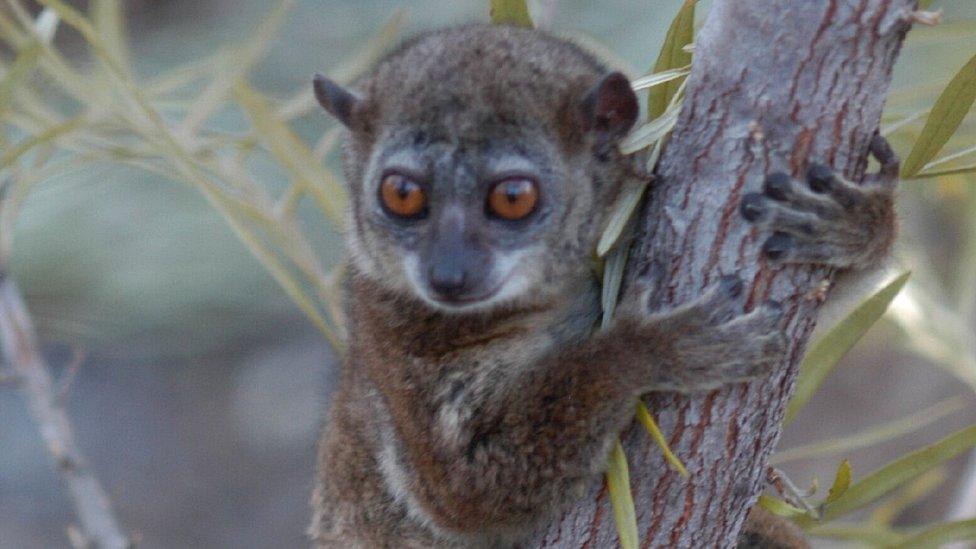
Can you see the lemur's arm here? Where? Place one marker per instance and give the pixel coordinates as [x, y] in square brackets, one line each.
[532, 446]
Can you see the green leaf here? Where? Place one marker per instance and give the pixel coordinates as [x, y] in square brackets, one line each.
[874, 435]
[672, 56]
[510, 12]
[647, 420]
[613, 276]
[618, 482]
[842, 481]
[924, 4]
[941, 534]
[899, 472]
[947, 113]
[652, 132]
[620, 218]
[779, 507]
[828, 350]
[658, 78]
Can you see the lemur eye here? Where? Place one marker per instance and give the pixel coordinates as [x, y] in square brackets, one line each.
[513, 198]
[403, 197]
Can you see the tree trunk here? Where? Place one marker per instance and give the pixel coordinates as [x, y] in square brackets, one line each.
[776, 84]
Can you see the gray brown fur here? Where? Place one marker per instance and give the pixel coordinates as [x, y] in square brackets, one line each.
[468, 427]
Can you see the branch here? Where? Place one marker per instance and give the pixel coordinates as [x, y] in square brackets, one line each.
[775, 84]
[18, 342]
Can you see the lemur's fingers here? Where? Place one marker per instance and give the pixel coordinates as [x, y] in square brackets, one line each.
[718, 304]
[890, 165]
[742, 348]
[828, 220]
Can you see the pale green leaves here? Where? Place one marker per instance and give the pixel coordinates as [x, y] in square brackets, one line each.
[510, 12]
[918, 471]
[618, 484]
[644, 417]
[674, 54]
[947, 113]
[842, 481]
[899, 472]
[826, 352]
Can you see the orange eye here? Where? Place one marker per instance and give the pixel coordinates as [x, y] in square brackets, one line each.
[513, 199]
[402, 197]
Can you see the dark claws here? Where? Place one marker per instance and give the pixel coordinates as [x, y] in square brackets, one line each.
[732, 285]
[752, 207]
[774, 306]
[777, 245]
[777, 186]
[820, 178]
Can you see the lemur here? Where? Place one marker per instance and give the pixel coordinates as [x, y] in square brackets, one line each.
[476, 399]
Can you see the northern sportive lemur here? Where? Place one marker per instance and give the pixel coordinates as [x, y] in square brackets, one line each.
[476, 398]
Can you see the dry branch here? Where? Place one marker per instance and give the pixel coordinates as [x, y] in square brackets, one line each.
[18, 340]
[776, 84]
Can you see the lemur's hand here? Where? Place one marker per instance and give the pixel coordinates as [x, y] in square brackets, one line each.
[828, 221]
[707, 343]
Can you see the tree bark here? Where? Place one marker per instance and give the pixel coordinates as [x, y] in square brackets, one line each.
[776, 84]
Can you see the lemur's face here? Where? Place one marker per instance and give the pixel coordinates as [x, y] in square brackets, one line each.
[469, 225]
[481, 165]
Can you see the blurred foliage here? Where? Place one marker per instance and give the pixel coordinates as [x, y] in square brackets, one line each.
[63, 117]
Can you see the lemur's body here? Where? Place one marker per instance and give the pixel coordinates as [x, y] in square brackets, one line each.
[476, 398]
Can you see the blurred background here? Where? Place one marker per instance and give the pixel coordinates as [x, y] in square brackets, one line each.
[201, 386]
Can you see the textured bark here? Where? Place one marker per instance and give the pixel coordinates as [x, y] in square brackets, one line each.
[775, 85]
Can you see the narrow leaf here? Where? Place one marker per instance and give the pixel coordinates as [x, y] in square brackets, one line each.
[842, 481]
[939, 535]
[650, 133]
[618, 483]
[899, 472]
[619, 219]
[947, 113]
[658, 78]
[779, 507]
[826, 352]
[647, 420]
[613, 276]
[510, 12]
[672, 56]
[875, 435]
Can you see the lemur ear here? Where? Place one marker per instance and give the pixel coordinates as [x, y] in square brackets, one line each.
[340, 102]
[610, 108]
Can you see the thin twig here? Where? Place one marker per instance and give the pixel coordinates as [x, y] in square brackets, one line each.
[64, 386]
[789, 490]
[18, 341]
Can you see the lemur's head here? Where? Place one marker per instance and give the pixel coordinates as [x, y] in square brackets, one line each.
[482, 164]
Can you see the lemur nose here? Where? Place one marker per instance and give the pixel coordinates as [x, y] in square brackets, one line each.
[447, 279]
